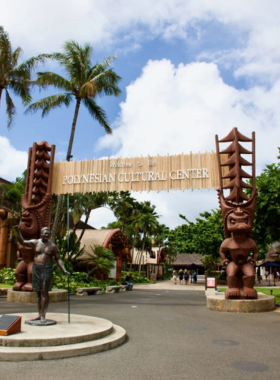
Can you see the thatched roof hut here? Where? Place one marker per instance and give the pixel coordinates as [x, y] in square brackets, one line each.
[112, 239]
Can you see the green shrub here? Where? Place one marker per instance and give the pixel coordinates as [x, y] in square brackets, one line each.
[8, 276]
[80, 280]
[136, 277]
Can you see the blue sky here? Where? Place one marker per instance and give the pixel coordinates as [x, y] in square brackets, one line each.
[189, 70]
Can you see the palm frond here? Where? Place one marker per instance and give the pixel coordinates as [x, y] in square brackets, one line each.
[32, 62]
[15, 56]
[49, 103]
[100, 67]
[98, 113]
[11, 109]
[48, 78]
[76, 60]
[5, 46]
[106, 83]
[21, 88]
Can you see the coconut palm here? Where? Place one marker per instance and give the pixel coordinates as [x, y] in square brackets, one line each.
[14, 76]
[84, 83]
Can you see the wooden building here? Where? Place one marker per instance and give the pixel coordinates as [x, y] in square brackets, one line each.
[184, 260]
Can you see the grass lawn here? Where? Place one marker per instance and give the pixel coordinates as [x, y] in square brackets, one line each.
[5, 286]
[275, 292]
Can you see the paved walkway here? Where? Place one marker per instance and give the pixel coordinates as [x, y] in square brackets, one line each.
[171, 336]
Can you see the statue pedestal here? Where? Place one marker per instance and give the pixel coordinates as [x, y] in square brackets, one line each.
[219, 303]
[83, 336]
[56, 295]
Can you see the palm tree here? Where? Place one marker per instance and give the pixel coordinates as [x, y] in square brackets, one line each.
[15, 76]
[146, 223]
[85, 82]
[100, 262]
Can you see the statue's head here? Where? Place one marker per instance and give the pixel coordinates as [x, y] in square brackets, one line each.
[45, 232]
[239, 221]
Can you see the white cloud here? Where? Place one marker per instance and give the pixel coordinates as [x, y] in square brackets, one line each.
[34, 25]
[12, 162]
[172, 109]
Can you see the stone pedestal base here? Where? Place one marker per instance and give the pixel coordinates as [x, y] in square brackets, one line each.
[56, 295]
[83, 336]
[219, 303]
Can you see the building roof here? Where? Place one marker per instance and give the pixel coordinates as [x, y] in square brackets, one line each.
[4, 182]
[188, 259]
[112, 239]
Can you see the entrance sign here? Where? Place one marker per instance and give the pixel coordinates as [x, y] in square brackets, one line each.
[157, 173]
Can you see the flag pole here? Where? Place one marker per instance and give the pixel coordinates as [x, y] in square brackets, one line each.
[68, 290]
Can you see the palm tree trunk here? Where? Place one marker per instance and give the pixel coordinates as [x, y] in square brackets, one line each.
[69, 151]
[141, 255]
[83, 231]
[68, 157]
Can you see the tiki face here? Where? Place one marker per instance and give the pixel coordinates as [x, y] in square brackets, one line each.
[238, 223]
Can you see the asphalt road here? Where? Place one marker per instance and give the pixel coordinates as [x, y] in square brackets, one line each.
[171, 335]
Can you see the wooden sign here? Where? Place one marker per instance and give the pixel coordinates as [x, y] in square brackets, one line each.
[152, 173]
[10, 324]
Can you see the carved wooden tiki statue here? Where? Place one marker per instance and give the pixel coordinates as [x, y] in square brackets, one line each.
[238, 251]
[36, 208]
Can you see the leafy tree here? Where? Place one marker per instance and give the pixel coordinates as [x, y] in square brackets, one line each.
[267, 216]
[14, 76]
[84, 84]
[203, 236]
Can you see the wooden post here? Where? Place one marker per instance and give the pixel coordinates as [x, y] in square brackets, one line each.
[3, 242]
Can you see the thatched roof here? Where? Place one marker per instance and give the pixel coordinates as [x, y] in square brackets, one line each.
[113, 239]
[188, 259]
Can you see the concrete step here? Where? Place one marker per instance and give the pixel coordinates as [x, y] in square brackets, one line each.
[83, 336]
[115, 339]
[81, 329]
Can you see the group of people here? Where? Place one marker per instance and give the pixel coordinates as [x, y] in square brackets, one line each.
[183, 276]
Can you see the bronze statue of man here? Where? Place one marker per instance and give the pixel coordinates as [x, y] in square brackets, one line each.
[44, 251]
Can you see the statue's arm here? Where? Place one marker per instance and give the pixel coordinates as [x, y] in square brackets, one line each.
[25, 243]
[254, 248]
[223, 250]
[59, 262]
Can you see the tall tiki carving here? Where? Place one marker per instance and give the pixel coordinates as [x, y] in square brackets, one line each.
[238, 251]
[36, 207]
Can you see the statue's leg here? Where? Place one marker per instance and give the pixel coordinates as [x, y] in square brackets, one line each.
[28, 286]
[39, 306]
[233, 291]
[249, 281]
[44, 305]
[20, 274]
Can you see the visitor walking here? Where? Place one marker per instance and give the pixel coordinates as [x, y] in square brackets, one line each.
[266, 274]
[174, 277]
[186, 276]
[194, 277]
[181, 276]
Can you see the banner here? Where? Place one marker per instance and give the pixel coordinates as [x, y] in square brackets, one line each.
[152, 173]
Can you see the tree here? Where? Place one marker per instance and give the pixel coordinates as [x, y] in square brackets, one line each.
[100, 262]
[85, 82]
[14, 76]
[10, 194]
[146, 223]
[267, 216]
[204, 236]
